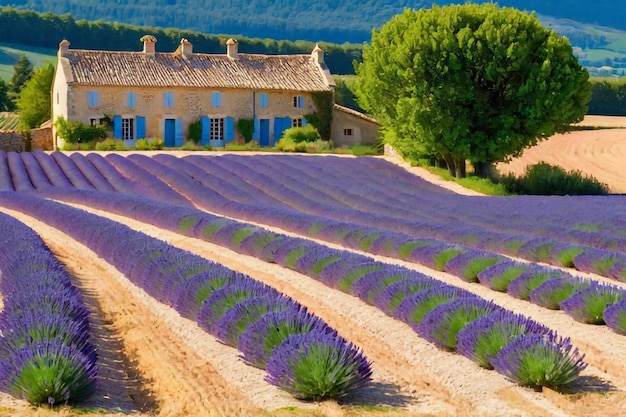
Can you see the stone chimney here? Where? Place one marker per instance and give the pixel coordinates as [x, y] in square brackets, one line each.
[64, 47]
[186, 48]
[232, 48]
[318, 54]
[148, 44]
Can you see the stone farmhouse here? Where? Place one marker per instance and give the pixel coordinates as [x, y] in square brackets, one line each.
[149, 94]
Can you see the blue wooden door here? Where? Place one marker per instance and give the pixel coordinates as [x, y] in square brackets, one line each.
[264, 134]
[280, 125]
[170, 133]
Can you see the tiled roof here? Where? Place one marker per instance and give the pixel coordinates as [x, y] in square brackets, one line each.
[355, 113]
[260, 72]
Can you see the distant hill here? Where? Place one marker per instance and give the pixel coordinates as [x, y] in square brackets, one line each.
[335, 21]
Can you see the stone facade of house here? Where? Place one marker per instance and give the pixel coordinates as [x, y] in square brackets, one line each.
[150, 94]
[351, 127]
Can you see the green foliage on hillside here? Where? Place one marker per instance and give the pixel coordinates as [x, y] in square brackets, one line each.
[329, 20]
[82, 34]
[470, 82]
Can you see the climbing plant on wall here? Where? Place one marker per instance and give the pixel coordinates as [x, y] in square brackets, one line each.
[323, 117]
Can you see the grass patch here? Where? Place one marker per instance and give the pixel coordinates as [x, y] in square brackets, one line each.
[472, 182]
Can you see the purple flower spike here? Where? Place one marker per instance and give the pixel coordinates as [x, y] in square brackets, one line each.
[318, 366]
[540, 361]
[369, 286]
[615, 317]
[588, 305]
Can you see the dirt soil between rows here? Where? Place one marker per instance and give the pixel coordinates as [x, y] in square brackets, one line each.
[155, 363]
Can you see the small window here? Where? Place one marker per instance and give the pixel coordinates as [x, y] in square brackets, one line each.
[298, 102]
[128, 129]
[93, 122]
[216, 99]
[168, 99]
[131, 99]
[263, 100]
[93, 99]
[216, 129]
[347, 132]
[297, 122]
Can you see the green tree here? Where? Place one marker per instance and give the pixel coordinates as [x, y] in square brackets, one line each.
[6, 104]
[33, 103]
[470, 82]
[22, 71]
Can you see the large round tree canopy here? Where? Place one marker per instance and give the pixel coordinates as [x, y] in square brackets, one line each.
[470, 82]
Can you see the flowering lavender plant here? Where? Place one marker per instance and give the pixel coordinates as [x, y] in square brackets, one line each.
[482, 339]
[369, 286]
[540, 360]
[564, 254]
[435, 256]
[521, 286]
[615, 317]
[238, 318]
[389, 299]
[588, 305]
[597, 261]
[498, 276]
[318, 366]
[225, 298]
[469, 264]
[413, 309]
[260, 339]
[552, 292]
[442, 324]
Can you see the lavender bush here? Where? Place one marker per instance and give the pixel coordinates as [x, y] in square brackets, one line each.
[540, 360]
[261, 338]
[389, 299]
[498, 276]
[442, 324]
[370, 285]
[615, 317]
[588, 305]
[551, 293]
[522, 286]
[318, 366]
[482, 339]
[469, 264]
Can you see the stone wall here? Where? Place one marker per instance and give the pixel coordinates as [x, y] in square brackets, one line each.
[353, 128]
[41, 139]
[12, 141]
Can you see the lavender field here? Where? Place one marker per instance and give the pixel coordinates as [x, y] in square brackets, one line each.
[527, 291]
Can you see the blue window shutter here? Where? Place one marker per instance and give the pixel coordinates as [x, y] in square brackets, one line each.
[93, 99]
[141, 127]
[304, 122]
[131, 99]
[301, 102]
[263, 101]
[169, 99]
[206, 126]
[229, 129]
[117, 127]
[178, 132]
[216, 99]
[256, 135]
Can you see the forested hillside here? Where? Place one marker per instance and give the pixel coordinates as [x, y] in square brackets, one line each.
[327, 20]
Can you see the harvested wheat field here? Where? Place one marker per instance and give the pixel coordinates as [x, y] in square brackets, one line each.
[155, 361]
[599, 153]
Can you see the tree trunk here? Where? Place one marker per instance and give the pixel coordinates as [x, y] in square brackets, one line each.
[460, 166]
[482, 169]
[451, 165]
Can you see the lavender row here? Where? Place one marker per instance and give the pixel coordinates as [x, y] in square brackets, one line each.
[206, 292]
[399, 292]
[46, 355]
